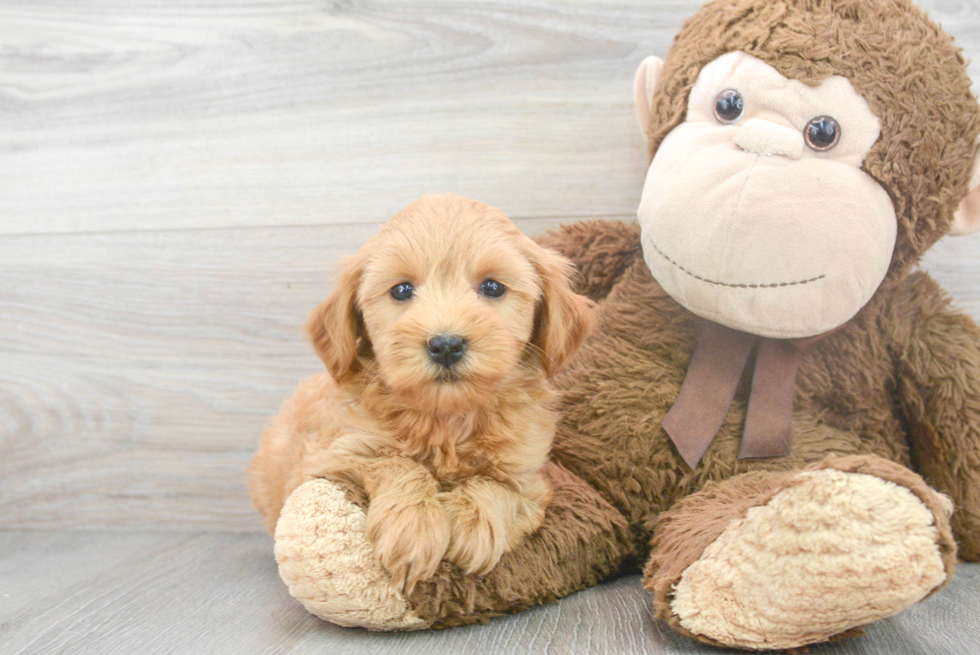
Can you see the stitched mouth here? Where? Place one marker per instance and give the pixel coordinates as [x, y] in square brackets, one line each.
[768, 285]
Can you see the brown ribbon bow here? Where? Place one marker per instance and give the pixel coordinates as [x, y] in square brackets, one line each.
[709, 387]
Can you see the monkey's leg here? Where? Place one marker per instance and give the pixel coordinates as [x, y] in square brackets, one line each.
[781, 560]
[329, 565]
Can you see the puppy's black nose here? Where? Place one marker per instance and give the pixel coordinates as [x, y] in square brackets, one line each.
[446, 349]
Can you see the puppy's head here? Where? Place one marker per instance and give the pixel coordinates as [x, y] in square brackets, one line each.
[450, 300]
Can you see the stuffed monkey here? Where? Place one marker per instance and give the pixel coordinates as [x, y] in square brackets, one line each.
[776, 417]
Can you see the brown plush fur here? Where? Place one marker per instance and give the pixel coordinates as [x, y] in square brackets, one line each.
[615, 393]
[582, 541]
[899, 383]
[859, 391]
[452, 466]
[897, 388]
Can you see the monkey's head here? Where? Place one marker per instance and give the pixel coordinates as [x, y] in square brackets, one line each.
[803, 152]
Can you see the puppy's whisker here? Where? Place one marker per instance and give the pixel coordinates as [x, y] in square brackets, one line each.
[533, 347]
[538, 352]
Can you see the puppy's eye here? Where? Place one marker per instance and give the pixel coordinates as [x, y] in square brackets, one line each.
[492, 289]
[402, 291]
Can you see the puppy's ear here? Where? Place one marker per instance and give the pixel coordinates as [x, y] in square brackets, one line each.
[564, 318]
[335, 325]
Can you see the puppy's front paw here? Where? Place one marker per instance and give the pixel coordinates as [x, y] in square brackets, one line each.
[478, 538]
[410, 536]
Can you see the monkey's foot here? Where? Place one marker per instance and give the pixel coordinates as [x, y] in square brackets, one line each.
[329, 565]
[807, 556]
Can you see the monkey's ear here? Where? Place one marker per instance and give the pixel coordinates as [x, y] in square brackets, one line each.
[335, 326]
[644, 83]
[966, 220]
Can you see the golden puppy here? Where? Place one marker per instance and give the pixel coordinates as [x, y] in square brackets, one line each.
[439, 337]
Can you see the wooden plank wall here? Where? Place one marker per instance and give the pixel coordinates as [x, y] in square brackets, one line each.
[177, 180]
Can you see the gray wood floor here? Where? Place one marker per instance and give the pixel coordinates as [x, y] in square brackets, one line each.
[144, 592]
[177, 181]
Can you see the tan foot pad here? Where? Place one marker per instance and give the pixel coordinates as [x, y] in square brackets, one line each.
[329, 565]
[832, 552]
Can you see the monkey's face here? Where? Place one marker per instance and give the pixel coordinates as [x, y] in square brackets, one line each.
[756, 213]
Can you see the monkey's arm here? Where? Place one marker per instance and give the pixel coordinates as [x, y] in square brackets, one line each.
[938, 361]
[406, 523]
[601, 251]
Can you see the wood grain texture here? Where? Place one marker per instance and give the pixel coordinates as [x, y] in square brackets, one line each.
[177, 181]
[140, 364]
[188, 114]
[123, 115]
[139, 368]
[115, 594]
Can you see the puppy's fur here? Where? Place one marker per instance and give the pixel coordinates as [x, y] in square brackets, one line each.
[450, 461]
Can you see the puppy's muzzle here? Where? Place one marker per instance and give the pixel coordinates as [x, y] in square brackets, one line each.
[446, 349]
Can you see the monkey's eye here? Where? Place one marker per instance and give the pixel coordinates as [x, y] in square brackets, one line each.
[402, 291]
[729, 106]
[822, 133]
[492, 289]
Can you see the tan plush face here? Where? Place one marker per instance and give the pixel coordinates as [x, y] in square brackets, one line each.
[755, 212]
